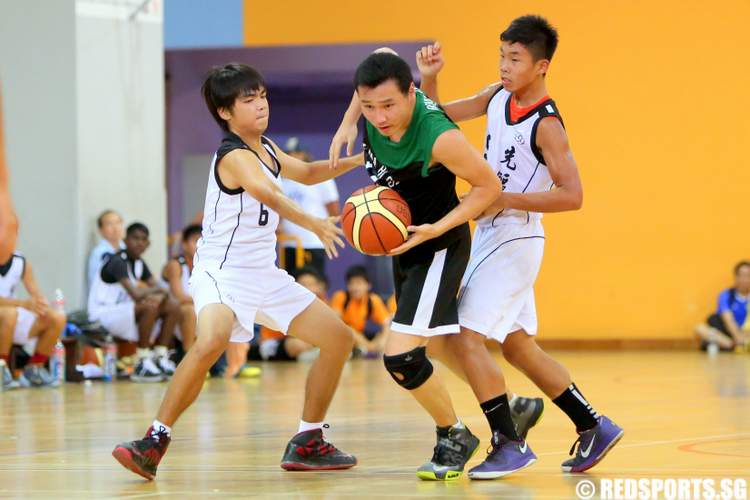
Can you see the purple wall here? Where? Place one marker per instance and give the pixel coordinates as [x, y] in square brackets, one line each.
[309, 89]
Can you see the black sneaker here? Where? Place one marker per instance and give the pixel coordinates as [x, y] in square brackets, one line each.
[310, 451]
[526, 413]
[455, 447]
[143, 456]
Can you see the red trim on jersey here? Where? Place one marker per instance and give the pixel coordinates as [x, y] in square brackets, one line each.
[517, 111]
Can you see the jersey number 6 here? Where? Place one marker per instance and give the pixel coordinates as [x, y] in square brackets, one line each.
[263, 218]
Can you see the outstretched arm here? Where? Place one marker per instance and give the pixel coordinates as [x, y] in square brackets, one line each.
[568, 192]
[430, 62]
[454, 151]
[241, 168]
[314, 172]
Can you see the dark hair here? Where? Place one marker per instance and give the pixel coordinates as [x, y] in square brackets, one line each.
[311, 271]
[740, 265]
[535, 33]
[226, 83]
[383, 66]
[136, 226]
[100, 219]
[191, 230]
[357, 272]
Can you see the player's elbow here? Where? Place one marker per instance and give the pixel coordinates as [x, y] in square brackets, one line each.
[576, 199]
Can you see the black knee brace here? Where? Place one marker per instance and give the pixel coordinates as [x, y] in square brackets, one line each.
[410, 369]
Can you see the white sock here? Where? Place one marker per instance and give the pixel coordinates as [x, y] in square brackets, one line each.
[458, 424]
[308, 426]
[512, 398]
[142, 352]
[158, 426]
[161, 351]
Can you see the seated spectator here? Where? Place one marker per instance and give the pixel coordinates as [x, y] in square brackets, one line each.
[319, 200]
[109, 223]
[22, 321]
[126, 300]
[177, 275]
[275, 346]
[729, 326]
[357, 305]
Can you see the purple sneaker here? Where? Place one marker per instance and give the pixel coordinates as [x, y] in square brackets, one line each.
[504, 458]
[593, 445]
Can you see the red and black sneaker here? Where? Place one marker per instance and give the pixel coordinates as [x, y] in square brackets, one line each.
[143, 456]
[310, 451]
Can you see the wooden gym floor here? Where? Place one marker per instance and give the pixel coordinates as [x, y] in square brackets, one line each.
[685, 415]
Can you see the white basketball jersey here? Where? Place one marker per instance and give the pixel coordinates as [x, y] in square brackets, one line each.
[510, 149]
[105, 294]
[10, 275]
[238, 230]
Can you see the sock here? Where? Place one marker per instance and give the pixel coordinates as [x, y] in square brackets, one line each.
[161, 351]
[38, 359]
[142, 352]
[575, 406]
[158, 426]
[308, 426]
[497, 412]
[459, 424]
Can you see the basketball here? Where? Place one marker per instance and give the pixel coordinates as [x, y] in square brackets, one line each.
[375, 219]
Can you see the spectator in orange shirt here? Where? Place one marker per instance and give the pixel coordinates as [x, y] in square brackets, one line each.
[357, 305]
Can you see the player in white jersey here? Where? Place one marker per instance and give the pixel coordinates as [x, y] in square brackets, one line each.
[22, 321]
[527, 146]
[235, 282]
[177, 276]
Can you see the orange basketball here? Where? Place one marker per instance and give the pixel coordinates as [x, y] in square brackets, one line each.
[375, 219]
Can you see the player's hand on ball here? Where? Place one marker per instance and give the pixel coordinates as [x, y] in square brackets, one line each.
[329, 234]
[430, 60]
[419, 234]
[344, 135]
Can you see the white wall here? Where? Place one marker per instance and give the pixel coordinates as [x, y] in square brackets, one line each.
[120, 110]
[83, 91]
[38, 76]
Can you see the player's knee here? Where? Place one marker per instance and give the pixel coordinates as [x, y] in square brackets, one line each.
[8, 315]
[467, 343]
[171, 308]
[210, 345]
[188, 312]
[409, 369]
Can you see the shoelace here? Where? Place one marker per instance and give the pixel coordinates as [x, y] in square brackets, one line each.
[160, 436]
[323, 447]
[576, 442]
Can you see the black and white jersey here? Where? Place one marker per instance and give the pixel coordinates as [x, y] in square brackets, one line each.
[106, 289]
[238, 230]
[184, 274]
[510, 149]
[11, 273]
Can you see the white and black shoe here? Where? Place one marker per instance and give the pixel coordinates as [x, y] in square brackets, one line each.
[166, 365]
[146, 371]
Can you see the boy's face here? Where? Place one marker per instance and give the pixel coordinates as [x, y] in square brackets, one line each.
[386, 108]
[742, 279]
[358, 287]
[190, 245]
[136, 243]
[517, 66]
[249, 113]
[313, 284]
[111, 229]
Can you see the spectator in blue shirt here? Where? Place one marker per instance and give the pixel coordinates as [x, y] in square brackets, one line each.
[109, 223]
[729, 326]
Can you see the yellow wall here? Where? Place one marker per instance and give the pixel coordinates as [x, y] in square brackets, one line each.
[655, 99]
